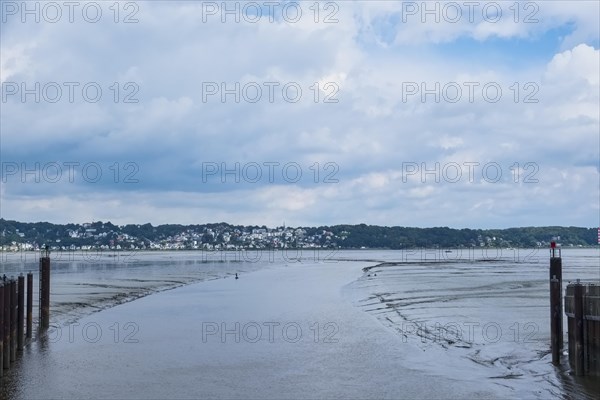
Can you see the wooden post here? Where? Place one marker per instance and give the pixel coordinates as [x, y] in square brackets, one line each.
[13, 319]
[1, 328]
[554, 319]
[556, 332]
[556, 270]
[6, 360]
[45, 290]
[20, 313]
[28, 332]
[592, 310]
[578, 313]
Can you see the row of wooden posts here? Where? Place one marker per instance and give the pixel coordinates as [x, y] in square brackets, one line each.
[582, 308]
[16, 316]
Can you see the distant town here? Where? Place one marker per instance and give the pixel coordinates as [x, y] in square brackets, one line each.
[20, 236]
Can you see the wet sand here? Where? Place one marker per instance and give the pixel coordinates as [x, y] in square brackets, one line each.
[485, 318]
[82, 283]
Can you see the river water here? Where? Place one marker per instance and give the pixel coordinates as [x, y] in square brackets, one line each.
[310, 324]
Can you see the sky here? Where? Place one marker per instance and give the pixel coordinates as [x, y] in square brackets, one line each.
[459, 114]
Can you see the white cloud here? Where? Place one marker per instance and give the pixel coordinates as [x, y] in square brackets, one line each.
[582, 62]
[369, 134]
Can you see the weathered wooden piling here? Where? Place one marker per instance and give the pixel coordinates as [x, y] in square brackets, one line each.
[20, 313]
[13, 316]
[578, 328]
[556, 331]
[591, 311]
[13, 322]
[6, 358]
[556, 269]
[29, 330]
[1, 327]
[14, 319]
[45, 290]
[582, 307]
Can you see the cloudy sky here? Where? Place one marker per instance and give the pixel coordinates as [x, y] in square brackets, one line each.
[481, 114]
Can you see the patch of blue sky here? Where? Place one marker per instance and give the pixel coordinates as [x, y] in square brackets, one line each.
[515, 51]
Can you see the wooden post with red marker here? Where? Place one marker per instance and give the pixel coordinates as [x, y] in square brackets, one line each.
[556, 331]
